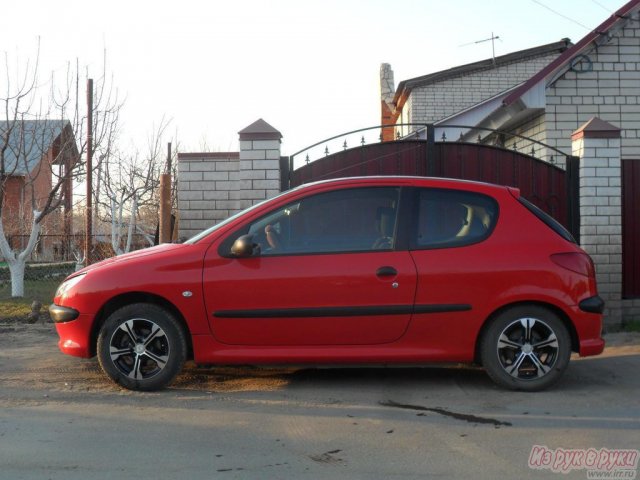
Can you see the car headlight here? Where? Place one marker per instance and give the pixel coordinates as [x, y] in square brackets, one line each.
[68, 284]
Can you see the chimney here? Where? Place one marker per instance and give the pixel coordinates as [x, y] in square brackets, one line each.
[387, 92]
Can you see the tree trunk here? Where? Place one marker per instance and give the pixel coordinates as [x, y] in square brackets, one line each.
[17, 277]
[17, 262]
[132, 223]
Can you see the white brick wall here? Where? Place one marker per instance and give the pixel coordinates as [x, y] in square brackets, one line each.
[431, 103]
[213, 186]
[204, 182]
[610, 91]
[601, 216]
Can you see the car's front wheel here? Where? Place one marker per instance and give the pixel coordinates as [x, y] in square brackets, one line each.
[526, 348]
[141, 347]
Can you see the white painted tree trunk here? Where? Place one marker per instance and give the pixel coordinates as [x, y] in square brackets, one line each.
[17, 278]
[116, 222]
[132, 223]
[117, 225]
[17, 261]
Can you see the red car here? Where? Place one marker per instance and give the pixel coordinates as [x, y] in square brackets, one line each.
[374, 270]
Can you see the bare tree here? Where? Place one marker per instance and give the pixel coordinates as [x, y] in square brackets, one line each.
[130, 185]
[41, 152]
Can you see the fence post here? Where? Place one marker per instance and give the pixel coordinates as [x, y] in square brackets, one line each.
[260, 175]
[431, 150]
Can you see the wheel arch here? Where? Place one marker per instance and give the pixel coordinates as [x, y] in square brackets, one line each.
[573, 334]
[128, 298]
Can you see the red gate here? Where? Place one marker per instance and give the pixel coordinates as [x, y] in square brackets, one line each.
[551, 188]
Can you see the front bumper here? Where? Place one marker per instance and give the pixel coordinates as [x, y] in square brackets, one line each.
[75, 336]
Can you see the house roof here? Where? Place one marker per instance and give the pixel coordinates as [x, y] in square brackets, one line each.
[28, 142]
[405, 87]
[563, 60]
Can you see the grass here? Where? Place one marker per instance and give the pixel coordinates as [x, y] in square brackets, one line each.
[41, 290]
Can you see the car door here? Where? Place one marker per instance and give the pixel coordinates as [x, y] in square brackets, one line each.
[326, 270]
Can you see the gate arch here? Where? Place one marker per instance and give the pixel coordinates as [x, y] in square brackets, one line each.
[548, 186]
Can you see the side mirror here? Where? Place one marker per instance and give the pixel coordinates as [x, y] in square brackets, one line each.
[243, 246]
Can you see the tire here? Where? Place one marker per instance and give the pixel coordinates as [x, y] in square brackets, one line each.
[526, 348]
[142, 347]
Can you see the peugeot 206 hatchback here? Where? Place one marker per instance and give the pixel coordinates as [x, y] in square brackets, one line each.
[374, 270]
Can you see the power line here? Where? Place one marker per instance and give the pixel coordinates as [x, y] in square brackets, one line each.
[602, 6]
[561, 15]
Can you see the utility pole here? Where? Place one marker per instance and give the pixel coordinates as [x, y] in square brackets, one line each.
[89, 210]
[164, 229]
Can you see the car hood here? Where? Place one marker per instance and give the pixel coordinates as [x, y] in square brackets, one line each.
[145, 252]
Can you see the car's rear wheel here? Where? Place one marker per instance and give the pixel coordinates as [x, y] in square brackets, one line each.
[141, 347]
[526, 348]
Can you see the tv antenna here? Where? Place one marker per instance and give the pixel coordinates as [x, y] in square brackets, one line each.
[491, 39]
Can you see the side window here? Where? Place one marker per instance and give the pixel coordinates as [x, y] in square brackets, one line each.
[350, 220]
[452, 218]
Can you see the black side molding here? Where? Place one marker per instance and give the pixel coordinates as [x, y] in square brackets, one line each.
[62, 314]
[442, 308]
[341, 311]
[592, 305]
[315, 312]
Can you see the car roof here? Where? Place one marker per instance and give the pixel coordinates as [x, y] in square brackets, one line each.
[434, 182]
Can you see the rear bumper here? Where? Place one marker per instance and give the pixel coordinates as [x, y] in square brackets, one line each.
[75, 336]
[587, 319]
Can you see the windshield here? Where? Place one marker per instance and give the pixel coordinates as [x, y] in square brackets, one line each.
[215, 227]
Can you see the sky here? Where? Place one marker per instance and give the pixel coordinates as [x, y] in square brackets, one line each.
[309, 68]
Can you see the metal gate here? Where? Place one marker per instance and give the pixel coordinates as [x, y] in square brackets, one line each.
[550, 187]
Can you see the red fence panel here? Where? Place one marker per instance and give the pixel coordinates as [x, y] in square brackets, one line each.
[630, 229]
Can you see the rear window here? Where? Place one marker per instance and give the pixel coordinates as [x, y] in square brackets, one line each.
[452, 218]
[548, 220]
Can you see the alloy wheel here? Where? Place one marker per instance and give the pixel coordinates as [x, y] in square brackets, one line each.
[139, 348]
[527, 348]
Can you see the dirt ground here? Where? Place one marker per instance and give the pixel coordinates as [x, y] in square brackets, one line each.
[30, 359]
[61, 418]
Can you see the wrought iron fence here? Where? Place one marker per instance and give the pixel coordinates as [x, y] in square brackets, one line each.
[434, 133]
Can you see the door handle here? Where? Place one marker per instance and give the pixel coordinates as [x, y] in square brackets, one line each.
[386, 272]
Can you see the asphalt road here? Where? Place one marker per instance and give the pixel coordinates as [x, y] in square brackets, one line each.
[61, 419]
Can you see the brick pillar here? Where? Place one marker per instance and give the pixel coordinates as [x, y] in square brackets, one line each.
[259, 163]
[597, 143]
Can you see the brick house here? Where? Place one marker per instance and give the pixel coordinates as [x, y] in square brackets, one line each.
[30, 152]
[583, 99]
